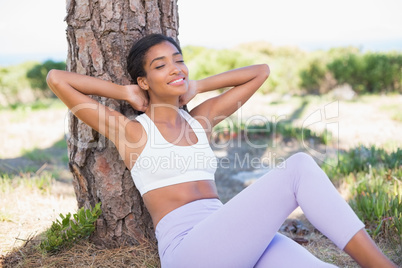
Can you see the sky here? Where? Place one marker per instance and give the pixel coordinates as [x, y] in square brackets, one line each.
[35, 30]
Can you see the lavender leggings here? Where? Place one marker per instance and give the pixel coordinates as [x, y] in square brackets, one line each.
[243, 232]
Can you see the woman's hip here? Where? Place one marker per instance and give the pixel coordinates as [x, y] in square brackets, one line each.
[174, 226]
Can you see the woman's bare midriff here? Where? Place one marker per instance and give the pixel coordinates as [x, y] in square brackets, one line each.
[161, 201]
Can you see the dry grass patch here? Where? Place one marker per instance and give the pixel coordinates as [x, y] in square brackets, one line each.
[28, 210]
[85, 254]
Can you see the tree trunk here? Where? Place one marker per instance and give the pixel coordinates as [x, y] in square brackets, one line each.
[100, 34]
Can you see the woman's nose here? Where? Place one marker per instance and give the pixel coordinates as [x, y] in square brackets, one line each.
[175, 69]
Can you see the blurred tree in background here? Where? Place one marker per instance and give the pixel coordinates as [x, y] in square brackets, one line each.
[37, 74]
[25, 82]
[366, 73]
[370, 72]
[296, 72]
[312, 75]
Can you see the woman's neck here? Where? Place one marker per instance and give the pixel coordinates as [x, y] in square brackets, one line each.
[163, 113]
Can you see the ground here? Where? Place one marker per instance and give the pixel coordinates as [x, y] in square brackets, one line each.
[32, 141]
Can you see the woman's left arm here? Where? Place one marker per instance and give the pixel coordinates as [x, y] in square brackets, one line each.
[244, 82]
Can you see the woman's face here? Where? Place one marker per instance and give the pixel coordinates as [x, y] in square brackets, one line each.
[167, 74]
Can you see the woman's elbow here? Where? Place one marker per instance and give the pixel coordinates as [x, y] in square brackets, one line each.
[263, 71]
[52, 79]
[266, 70]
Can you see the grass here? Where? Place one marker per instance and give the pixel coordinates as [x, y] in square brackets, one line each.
[41, 104]
[28, 203]
[47, 155]
[28, 181]
[268, 129]
[394, 110]
[5, 216]
[36, 154]
[397, 116]
[85, 254]
[18, 112]
[364, 158]
[374, 177]
[62, 144]
[35, 201]
[377, 200]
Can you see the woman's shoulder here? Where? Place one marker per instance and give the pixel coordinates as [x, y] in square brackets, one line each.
[134, 129]
[201, 119]
[134, 140]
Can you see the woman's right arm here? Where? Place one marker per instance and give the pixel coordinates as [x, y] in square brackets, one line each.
[73, 88]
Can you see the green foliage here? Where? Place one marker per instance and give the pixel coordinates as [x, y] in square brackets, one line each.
[377, 200]
[312, 76]
[192, 52]
[370, 72]
[69, 230]
[376, 194]
[365, 72]
[25, 82]
[292, 71]
[210, 61]
[37, 74]
[292, 68]
[13, 79]
[285, 63]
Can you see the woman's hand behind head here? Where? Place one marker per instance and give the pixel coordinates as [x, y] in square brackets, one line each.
[137, 97]
[190, 94]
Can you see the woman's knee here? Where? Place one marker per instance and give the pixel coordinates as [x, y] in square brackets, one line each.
[301, 160]
[303, 165]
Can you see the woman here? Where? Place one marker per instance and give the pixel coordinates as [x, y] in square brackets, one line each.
[192, 226]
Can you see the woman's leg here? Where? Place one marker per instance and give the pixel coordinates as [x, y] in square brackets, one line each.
[284, 252]
[365, 252]
[238, 234]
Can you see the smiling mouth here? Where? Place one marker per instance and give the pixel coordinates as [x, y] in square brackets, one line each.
[177, 81]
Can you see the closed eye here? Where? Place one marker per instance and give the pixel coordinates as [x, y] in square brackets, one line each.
[159, 67]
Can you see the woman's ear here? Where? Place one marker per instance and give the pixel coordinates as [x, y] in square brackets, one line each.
[142, 83]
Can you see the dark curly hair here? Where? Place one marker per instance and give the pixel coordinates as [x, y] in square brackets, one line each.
[136, 57]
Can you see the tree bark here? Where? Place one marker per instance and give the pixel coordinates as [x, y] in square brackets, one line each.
[100, 34]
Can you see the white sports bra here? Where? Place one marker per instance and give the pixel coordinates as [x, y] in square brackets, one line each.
[162, 163]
